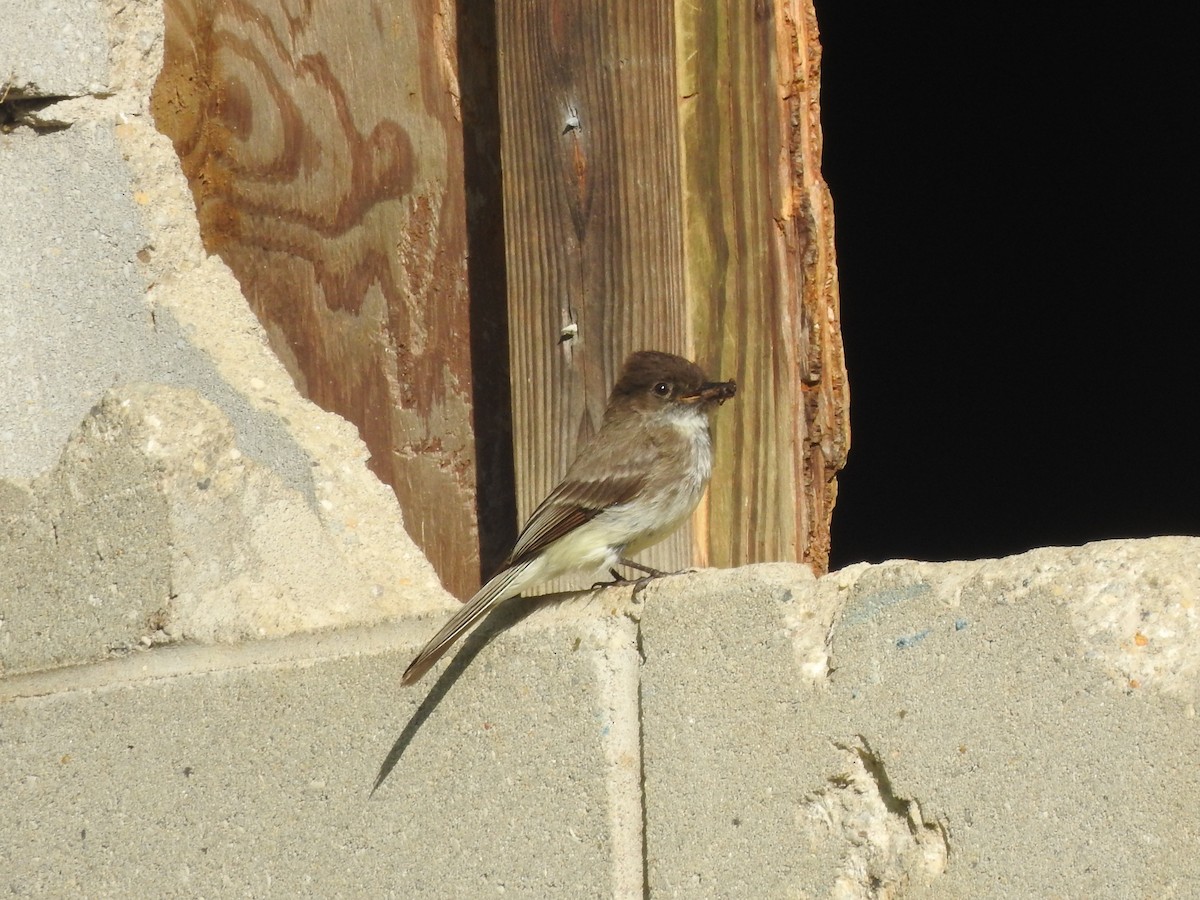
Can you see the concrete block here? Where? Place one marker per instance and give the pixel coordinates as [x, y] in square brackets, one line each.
[217, 771]
[155, 527]
[53, 49]
[908, 729]
[975, 733]
[74, 315]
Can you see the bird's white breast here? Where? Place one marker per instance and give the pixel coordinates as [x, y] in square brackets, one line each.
[628, 529]
[678, 501]
[693, 425]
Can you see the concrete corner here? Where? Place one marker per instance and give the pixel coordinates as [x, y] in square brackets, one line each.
[976, 735]
[189, 771]
[161, 467]
[59, 51]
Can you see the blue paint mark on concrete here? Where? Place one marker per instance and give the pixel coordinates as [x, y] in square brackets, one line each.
[912, 640]
[868, 606]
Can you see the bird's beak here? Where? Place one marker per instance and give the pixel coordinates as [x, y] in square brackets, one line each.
[711, 392]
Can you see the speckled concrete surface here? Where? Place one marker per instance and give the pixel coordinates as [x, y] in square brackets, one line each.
[206, 602]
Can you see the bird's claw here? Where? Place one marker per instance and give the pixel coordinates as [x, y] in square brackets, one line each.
[617, 580]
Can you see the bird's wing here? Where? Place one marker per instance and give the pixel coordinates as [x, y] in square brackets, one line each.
[463, 620]
[570, 505]
[592, 485]
[580, 497]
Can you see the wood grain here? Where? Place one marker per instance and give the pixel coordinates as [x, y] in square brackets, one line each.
[761, 273]
[324, 149]
[593, 226]
[661, 189]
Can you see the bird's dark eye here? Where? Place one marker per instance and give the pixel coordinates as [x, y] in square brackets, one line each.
[662, 389]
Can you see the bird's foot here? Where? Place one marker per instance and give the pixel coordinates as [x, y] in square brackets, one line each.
[618, 579]
[650, 572]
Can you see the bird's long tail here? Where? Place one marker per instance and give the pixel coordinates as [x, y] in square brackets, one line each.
[499, 588]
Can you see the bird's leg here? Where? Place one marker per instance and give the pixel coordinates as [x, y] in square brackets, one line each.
[651, 572]
[619, 579]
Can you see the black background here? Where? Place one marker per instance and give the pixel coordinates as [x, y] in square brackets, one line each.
[1015, 206]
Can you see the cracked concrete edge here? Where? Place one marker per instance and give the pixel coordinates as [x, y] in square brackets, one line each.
[868, 721]
[886, 836]
[57, 55]
[206, 298]
[1140, 622]
[1139, 619]
[154, 527]
[345, 516]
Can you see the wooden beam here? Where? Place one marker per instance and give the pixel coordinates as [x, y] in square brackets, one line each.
[761, 273]
[592, 219]
[661, 189]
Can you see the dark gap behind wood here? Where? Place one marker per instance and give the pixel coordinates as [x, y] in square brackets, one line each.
[487, 283]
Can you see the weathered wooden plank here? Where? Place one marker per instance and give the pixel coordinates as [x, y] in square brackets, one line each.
[761, 273]
[592, 219]
[324, 149]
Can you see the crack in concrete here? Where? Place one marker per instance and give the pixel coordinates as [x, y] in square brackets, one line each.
[888, 842]
[20, 109]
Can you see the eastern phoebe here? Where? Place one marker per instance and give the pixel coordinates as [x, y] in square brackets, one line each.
[633, 484]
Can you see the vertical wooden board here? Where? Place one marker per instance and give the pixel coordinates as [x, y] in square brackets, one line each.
[324, 150]
[592, 226]
[761, 274]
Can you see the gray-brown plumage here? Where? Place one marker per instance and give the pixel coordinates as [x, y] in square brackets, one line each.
[633, 484]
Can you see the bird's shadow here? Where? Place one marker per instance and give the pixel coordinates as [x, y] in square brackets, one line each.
[500, 619]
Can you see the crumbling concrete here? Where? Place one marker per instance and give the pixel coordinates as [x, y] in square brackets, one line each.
[919, 729]
[206, 602]
[158, 469]
[910, 729]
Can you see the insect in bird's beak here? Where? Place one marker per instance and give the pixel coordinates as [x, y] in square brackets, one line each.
[718, 391]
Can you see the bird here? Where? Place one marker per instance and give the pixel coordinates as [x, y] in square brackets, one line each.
[633, 484]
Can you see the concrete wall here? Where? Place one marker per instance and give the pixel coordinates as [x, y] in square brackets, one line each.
[206, 602]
